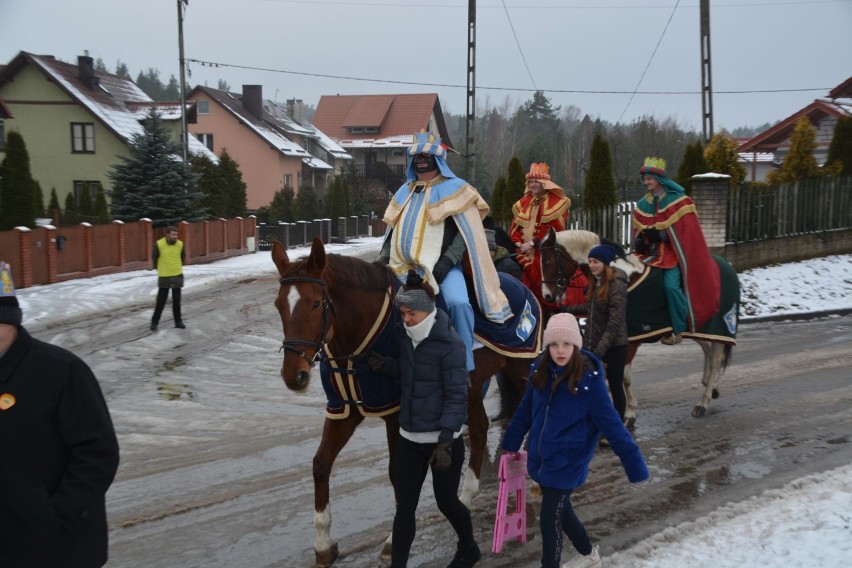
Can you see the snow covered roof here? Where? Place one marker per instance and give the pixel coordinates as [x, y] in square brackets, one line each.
[117, 102]
[316, 163]
[400, 141]
[758, 157]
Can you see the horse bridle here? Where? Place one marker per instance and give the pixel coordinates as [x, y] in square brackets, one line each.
[294, 344]
[561, 282]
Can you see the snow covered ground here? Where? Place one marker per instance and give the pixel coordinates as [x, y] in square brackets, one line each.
[808, 523]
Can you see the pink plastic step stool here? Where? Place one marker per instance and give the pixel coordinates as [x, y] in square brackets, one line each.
[513, 479]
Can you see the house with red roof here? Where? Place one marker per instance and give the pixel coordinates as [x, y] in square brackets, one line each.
[378, 129]
[76, 120]
[765, 152]
[273, 144]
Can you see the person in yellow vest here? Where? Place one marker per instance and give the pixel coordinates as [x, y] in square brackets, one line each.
[168, 260]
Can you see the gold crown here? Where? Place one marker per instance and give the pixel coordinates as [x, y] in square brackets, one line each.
[654, 163]
[539, 171]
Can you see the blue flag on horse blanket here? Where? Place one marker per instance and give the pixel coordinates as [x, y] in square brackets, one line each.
[648, 315]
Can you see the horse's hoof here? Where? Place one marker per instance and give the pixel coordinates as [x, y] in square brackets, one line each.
[385, 556]
[699, 411]
[715, 393]
[630, 423]
[326, 558]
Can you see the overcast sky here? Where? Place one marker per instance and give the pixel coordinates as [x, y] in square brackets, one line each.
[802, 47]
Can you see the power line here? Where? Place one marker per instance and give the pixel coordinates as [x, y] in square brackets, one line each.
[518, 89]
[518, 43]
[659, 41]
[546, 7]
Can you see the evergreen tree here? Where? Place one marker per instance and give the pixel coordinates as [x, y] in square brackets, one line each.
[38, 200]
[338, 203]
[599, 189]
[306, 206]
[121, 69]
[223, 85]
[516, 184]
[281, 208]
[100, 65]
[171, 92]
[501, 212]
[101, 207]
[70, 213]
[210, 185]
[151, 85]
[722, 158]
[800, 163]
[16, 186]
[53, 209]
[235, 187]
[152, 182]
[839, 158]
[693, 164]
[86, 207]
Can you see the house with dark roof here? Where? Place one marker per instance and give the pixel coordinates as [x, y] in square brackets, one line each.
[272, 142]
[76, 120]
[378, 129]
[765, 152]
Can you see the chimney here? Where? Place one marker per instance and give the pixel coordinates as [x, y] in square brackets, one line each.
[294, 109]
[253, 100]
[86, 71]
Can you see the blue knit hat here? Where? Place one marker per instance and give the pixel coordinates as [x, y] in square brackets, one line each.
[603, 253]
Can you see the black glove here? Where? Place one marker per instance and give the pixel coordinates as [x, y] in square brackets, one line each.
[442, 457]
[640, 245]
[382, 260]
[376, 362]
[651, 235]
[442, 267]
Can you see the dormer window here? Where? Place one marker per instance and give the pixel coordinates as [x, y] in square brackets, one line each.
[370, 130]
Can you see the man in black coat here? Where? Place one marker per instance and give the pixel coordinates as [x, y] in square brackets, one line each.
[58, 450]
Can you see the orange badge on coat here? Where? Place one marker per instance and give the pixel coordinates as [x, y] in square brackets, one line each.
[7, 401]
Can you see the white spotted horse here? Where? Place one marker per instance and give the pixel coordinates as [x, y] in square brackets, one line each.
[337, 309]
[647, 314]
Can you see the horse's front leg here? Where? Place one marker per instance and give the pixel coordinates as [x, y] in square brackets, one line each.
[477, 429]
[632, 404]
[335, 435]
[392, 430]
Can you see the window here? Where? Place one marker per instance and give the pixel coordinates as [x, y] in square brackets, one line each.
[206, 139]
[82, 138]
[371, 129]
[92, 186]
[203, 107]
[288, 180]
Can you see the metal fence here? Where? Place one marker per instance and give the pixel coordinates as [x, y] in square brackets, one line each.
[795, 208]
[302, 233]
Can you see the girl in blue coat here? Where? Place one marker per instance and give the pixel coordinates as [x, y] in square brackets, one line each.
[565, 410]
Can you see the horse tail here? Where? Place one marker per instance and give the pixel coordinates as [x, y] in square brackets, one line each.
[726, 358]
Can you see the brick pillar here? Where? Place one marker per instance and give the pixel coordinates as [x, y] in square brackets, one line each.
[206, 232]
[149, 239]
[23, 274]
[710, 193]
[120, 237]
[52, 254]
[341, 229]
[88, 254]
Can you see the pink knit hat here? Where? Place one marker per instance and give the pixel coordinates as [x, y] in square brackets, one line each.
[563, 327]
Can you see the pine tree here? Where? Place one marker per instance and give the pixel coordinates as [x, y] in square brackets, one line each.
[516, 184]
[306, 206]
[16, 186]
[281, 208]
[498, 203]
[153, 182]
[101, 207]
[693, 164]
[839, 157]
[70, 214]
[599, 189]
[53, 209]
[722, 158]
[38, 200]
[121, 69]
[86, 207]
[338, 202]
[800, 163]
[234, 186]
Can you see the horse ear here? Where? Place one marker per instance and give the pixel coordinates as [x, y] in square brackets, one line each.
[551, 236]
[279, 257]
[317, 259]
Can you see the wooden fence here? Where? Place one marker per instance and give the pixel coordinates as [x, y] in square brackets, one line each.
[49, 254]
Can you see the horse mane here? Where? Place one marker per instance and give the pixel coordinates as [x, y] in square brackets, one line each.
[359, 274]
[578, 243]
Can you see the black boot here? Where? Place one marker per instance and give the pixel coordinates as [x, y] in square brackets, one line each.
[465, 558]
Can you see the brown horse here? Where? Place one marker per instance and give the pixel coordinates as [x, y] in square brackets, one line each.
[562, 251]
[332, 304]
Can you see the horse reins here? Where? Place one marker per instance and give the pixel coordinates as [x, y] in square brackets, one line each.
[293, 344]
[562, 282]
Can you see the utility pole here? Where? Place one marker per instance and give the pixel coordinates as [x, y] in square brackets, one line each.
[706, 83]
[469, 152]
[184, 134]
